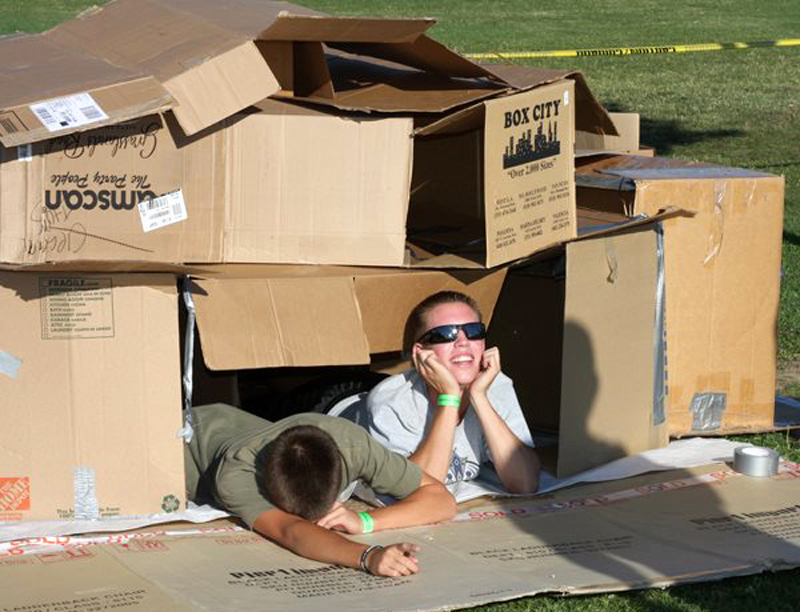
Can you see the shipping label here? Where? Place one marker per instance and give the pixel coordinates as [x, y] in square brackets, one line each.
[68, 112]
[162, 211]
[76, 307]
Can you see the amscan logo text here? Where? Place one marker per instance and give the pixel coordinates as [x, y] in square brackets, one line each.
[88, 199]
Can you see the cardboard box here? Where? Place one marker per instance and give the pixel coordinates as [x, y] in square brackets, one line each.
[578, 333]
[90, 381]
[96, 195]
[277, 316]
[210, 72]
[721, 342]
[494, 182]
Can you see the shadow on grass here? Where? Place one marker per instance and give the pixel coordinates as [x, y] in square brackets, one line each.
[665, 135]
[791, 238]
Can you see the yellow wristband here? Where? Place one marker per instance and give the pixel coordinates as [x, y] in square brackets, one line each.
[367, 524]
[448, 400]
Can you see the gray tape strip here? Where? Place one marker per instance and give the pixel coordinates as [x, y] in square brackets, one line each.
[659, 341]
[708, 410]
[9, 365]
[186, 432]
[755, 461]
[86, 506]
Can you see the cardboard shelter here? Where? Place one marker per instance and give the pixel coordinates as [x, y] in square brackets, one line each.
[721, 342]
[90, 381]
[59, 205]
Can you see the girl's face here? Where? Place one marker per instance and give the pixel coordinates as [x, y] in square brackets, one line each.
[462, 357]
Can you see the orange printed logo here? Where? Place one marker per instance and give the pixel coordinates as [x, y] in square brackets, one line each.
[15, 494]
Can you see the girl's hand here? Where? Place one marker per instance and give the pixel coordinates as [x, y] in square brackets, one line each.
[434, 372]
[395, 560]
[490, 368]
[342, 519]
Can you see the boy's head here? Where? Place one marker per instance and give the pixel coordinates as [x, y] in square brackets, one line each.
[302, 472]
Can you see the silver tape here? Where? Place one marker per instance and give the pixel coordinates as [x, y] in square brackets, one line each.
[659, 336]
[86, 506]
[9, 365]
[187, 431]
[708, 410]
[755, 461]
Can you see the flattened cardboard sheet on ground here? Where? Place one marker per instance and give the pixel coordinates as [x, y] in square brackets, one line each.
[657, 529]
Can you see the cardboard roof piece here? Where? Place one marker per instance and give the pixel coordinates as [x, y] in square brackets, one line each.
[721, 345]
[47, 88]
[274, 316]
[656, 530]
[216, 59]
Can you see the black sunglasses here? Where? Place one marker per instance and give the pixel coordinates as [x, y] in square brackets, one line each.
[449, 333]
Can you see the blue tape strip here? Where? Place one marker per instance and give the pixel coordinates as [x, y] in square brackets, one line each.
[9, 365]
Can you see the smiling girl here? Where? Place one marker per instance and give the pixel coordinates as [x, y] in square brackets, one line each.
[455, 411]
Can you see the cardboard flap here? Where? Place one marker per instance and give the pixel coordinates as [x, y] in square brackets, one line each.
[590, 116]
[271, 322]
[345, 29]
[608, 361]
[423, 53]
[47, 90]
[627, 124]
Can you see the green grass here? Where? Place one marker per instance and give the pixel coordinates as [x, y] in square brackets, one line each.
[738, 108]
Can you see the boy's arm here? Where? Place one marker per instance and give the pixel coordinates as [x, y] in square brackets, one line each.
[430, 503]
[313, 542]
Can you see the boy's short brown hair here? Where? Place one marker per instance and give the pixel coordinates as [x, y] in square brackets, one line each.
[302, 472]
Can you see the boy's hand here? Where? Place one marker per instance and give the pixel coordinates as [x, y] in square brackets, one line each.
[394, 560]
[434, 372]
[340, 518]
[490, 368]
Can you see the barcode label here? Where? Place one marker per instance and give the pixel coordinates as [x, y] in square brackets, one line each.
[8, 126]
[68, 112]
[161, 211]
[25, 152]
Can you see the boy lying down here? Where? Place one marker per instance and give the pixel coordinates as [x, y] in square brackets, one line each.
[283, 480]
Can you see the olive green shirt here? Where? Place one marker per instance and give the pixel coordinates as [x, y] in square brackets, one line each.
[222, 457]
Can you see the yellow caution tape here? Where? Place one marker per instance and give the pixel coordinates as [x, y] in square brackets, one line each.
[649, 50]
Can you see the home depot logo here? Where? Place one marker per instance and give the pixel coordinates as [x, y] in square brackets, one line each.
[531, 146]
[15, 494]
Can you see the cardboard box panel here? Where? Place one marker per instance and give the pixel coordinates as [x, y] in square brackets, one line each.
[721, 349]
[92, 409]
[577, 336]
[52, 90]
[273, 316]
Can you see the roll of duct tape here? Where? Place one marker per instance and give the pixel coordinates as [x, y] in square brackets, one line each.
[755, 461]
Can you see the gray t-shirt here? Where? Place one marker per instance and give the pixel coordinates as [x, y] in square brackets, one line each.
[223, 456]
[398, 414]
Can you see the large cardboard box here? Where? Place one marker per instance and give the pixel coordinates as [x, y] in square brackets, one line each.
[722, 276]
[90, 381]
[278, 183]
[579, 332]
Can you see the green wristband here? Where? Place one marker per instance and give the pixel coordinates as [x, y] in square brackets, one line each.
[448, 400]
[367, 524]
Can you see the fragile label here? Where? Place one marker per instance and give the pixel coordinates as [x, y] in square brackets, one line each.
[15, 494]
[165, 210]
[76, 307]
[68, 112]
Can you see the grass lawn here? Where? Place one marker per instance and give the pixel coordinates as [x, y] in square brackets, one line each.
[738, 108]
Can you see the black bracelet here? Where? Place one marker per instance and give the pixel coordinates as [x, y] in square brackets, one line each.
[363, 562]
